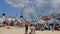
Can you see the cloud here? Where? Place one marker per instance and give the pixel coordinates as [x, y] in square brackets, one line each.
[17, 3]
[52, 6]
[55, 3]
[41, 2]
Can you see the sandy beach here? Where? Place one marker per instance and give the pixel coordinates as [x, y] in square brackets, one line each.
[13, 30]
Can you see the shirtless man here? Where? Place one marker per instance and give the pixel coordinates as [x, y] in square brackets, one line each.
[26, 27]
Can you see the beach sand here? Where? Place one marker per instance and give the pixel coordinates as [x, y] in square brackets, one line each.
[13, 30]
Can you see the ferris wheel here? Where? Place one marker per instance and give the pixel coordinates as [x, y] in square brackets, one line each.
[25, 5]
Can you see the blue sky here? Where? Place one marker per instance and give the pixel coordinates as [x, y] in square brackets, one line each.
[8, 9]
[46, 7]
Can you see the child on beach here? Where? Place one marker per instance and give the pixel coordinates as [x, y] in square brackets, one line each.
[32, 28]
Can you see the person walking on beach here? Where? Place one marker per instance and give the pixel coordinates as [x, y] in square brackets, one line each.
[26, 27]
[53, 25]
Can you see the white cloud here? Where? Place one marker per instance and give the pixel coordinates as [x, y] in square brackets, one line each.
[17, 3]
[41, 2]
[55, 3]
[52, 3]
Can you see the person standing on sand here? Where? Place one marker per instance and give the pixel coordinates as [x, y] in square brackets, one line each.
[32, 28]
[26, 27]
[53, 25]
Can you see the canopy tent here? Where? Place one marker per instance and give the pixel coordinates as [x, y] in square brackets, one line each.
[46, 19]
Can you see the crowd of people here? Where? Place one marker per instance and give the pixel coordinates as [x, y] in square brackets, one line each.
[16, 23]
[37, 26]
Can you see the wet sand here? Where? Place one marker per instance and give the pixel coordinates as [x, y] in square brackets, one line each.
[13, 30]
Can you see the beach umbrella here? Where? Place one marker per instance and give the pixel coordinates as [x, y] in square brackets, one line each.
[58, 23]
[46, 19]
[54, 21]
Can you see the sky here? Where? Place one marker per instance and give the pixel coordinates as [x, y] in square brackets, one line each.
[8, 9]
[45, 7]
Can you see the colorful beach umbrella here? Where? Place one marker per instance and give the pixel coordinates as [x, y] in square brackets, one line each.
[46, 19]
[58, 23]
[54, 21]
